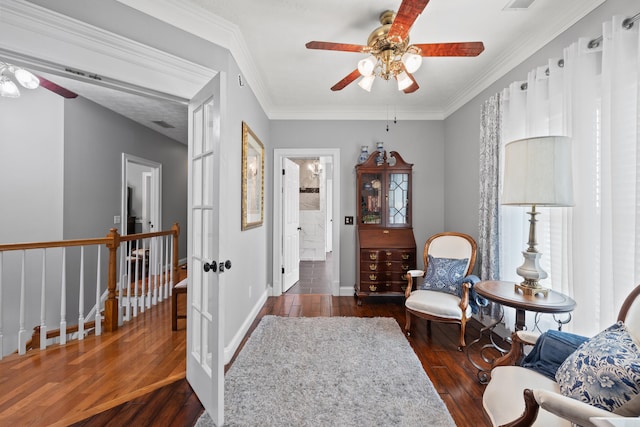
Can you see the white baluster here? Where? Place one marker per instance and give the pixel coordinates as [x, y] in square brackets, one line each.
[166, 265]
[43, 303]
[123, 277]
[143, 290]
[98, 317]
[22, 333]
[127, 281]
[63, 299]
[171, 282]
[1, 292]
[81, 297]
[135, 284]
[154, 256]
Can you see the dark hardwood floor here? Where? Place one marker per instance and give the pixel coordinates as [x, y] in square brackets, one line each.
[450, 370]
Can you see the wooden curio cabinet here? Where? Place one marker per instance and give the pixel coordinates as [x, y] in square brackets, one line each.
[386, 247]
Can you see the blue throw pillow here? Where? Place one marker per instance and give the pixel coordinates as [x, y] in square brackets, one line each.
[604, 371]
[444, 274]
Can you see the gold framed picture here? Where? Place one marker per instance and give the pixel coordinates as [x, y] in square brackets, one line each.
[252, 179]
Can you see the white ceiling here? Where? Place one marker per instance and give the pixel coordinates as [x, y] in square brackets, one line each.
[292, 82]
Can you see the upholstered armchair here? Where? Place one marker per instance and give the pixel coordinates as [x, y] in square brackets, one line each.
[439, 293]
[600, 378]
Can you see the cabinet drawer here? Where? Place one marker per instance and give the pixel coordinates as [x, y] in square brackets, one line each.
[388, 255]
[380, 267]
[385, 286]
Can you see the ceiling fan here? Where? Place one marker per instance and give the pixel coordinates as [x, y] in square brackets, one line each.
[391, 55]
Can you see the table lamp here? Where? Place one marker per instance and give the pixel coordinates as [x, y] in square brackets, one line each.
[537, 172]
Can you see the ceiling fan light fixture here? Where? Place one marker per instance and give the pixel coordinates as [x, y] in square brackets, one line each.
[367, 65]
[403, 80]
[366, 82]
[8, 88]
[26, 78]
[412, 61]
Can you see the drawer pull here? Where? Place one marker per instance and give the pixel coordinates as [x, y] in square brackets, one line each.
[373, 277]
[373, 267]
[389, 253]
[389, 263]
[405, 267]
[385, 231]
[373, 288]
[404, 277]
[404, 288]
[405, 256]
[388, 285]
[373, 256]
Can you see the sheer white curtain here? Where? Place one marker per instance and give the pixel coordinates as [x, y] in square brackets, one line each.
[592, 250]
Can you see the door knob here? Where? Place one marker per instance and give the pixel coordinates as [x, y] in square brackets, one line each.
[223, 265]
[211, 267]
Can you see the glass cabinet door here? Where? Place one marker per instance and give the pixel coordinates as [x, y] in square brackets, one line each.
[371, 198]
[398, 198]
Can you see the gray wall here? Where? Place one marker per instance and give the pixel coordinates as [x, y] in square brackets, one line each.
[462, 128]
[417, 142]
[247, 280]
[95, 139]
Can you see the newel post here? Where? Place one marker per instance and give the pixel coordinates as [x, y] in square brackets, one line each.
[175, 229]
[111, 304]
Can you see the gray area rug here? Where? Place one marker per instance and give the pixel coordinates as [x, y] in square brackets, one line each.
[329, 371]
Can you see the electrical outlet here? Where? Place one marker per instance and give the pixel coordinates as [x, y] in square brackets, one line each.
[348, 220]
[116, 219]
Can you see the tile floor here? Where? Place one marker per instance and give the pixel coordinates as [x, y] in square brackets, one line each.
[315, 277]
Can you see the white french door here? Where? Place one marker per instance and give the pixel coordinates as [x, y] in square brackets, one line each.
[291, 226]
[205, 346]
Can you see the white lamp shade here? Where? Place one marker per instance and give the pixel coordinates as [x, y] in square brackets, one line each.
[26, 79]
[367, 65]
[403, 81]
[537, 171]
[366, 82]
[412, 61]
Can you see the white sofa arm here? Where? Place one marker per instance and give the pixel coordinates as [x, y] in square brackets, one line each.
[570, 409]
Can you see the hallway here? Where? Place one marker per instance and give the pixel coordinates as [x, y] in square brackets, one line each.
[315, 277]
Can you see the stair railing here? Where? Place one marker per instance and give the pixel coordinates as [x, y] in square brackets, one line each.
[34, 283]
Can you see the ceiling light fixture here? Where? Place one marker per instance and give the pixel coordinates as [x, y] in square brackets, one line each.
[388, 59]
[26, 79]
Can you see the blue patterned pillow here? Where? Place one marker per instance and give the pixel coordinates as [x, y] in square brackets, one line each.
[444, 274]
[604, 371]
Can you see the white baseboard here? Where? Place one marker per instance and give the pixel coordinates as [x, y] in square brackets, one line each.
[346, 291]
[230, 349]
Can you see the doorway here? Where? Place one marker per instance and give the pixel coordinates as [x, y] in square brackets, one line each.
[141, 195]
[321, 265]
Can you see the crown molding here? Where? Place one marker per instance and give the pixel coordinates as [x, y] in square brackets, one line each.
[37, 32]
[200, 22]
[355, 113]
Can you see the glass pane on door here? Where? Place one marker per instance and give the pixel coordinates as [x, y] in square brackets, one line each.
[398, 198]
[371, 198]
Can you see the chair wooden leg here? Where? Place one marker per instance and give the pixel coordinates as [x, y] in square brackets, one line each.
[461, 343]
[407, 325]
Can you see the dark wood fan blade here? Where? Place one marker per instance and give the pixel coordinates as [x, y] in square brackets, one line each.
[407, 14]
[345, 47]
[347, 80]
[414, 86]
[451, 49]
[48, 84]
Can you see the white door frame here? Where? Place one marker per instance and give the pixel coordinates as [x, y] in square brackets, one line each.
[156, 181]
[278, 155]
